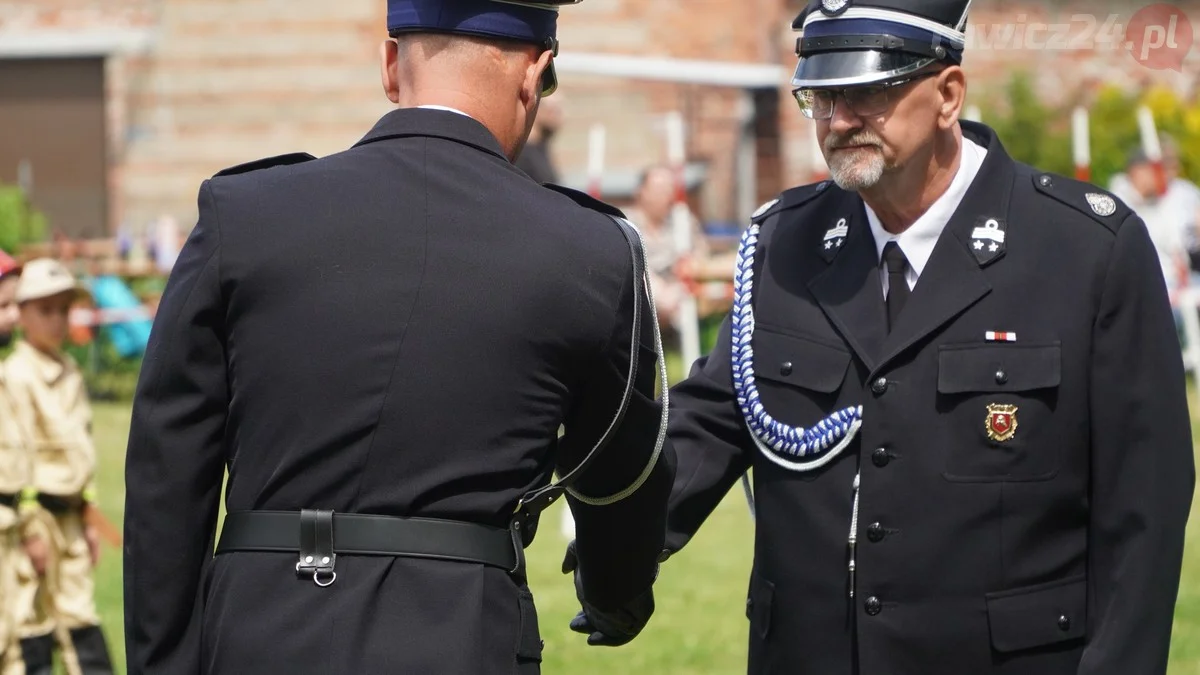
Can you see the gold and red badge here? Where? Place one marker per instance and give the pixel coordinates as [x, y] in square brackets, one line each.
[1001, 421]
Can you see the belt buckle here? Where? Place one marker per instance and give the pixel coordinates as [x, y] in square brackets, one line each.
[317, 557]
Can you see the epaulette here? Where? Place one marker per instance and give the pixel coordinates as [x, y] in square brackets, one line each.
[587, 201]
[1086, 198]
[266, 163]
[790, 198]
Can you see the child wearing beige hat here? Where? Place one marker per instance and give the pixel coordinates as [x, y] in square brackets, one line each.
[49, 394]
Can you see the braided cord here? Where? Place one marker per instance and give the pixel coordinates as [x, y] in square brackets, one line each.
[793, 448]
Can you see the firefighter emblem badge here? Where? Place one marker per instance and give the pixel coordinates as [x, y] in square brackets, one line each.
[1001, 421]
[1103, 205]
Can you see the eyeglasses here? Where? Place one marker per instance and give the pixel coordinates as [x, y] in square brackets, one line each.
[864, 101]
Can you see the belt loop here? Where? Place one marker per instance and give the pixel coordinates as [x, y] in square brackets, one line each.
[317, 557]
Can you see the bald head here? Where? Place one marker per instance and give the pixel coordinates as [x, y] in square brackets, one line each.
[497, 82]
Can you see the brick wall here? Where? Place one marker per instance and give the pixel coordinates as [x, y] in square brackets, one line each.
[226, 81]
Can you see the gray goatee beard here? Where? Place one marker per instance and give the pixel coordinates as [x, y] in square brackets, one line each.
[858, 169]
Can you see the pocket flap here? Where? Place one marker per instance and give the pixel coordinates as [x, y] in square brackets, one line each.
[998, 368]
[798, 361]
[1038, 615]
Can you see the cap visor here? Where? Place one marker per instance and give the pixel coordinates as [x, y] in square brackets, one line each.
[77, 291]
[849, 68]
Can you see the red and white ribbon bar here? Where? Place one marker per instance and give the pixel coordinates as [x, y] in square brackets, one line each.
[1000, 336]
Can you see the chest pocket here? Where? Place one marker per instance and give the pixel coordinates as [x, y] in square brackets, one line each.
[798, 362]
[998, 403]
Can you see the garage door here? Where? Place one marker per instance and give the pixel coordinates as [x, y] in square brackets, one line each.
[52, 119]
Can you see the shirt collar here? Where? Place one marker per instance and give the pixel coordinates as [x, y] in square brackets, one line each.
[47, 367]
[446, 108]
[917, 241]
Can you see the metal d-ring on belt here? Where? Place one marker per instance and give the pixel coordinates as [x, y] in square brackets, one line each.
[319, 536]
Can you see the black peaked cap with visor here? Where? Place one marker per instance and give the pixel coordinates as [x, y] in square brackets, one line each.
[845, 43]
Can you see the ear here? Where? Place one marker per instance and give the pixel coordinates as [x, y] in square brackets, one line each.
[389, 57]
[531, 85]
[952, 90]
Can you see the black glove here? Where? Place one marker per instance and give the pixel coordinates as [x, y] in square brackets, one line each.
[607, 628]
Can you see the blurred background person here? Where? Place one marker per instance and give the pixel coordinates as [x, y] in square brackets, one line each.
[651, 212]
[51, 400]
[1168, 217]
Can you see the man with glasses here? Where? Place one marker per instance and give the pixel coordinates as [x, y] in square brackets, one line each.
[381, 346]
[956, 381]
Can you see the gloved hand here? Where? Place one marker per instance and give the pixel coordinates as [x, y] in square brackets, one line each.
[607, 628]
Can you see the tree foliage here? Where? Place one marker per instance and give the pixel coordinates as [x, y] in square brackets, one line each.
[18, 224]
[1040, 135]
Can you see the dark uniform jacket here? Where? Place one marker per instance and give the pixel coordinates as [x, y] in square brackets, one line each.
[1054, 552]
[397, 329]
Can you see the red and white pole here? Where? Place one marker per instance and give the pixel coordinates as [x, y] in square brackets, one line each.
[596, 160]
[688, 320]
[1151, 146]
[1081, 144]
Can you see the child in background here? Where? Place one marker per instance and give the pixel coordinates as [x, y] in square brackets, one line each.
[48, 392]
[15, 473]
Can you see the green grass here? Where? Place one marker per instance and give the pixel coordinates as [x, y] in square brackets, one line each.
[699, 626]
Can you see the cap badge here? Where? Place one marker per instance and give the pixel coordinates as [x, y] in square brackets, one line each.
[1103, 205]
[832, 7]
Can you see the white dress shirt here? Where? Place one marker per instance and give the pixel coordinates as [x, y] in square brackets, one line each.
[446, 108]
[917, 242]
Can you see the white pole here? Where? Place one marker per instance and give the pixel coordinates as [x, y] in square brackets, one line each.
[747, 159]
[1151, 146]
[688, 320]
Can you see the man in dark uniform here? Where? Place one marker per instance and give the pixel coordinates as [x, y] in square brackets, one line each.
[956, 381]
[381, 346]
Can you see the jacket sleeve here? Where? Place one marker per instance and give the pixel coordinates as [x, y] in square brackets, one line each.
[175, 460]
[1142, 466]
[618, 543]
[709, 437]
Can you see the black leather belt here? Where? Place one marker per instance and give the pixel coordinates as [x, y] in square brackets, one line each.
[10, 501]
[55, 504]
[320, 536]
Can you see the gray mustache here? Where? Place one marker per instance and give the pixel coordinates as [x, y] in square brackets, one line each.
[835, 143]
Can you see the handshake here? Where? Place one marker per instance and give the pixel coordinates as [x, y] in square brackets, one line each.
[608, 627]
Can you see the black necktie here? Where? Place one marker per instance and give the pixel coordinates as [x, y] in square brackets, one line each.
[898, 291]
